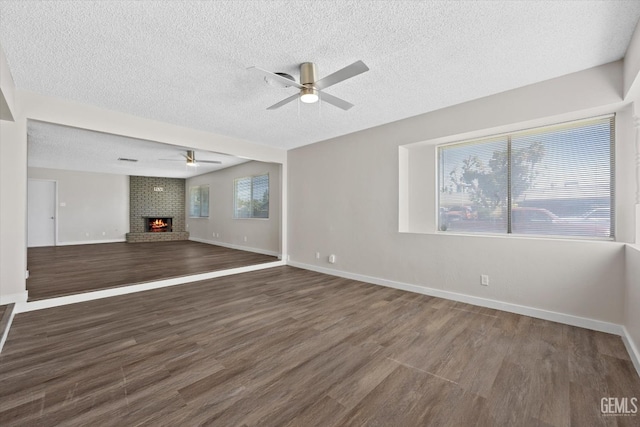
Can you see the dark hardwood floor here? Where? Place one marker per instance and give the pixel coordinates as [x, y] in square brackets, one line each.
[66, 270]
[289, 347]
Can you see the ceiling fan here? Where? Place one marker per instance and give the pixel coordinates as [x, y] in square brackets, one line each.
[191, 159]
[310, 88]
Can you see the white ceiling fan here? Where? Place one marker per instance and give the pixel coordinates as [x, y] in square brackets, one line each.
[311, 89]
[191, 159]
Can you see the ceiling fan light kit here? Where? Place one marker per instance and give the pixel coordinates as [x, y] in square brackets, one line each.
[191, 159]
[308, 95]
[310, 89]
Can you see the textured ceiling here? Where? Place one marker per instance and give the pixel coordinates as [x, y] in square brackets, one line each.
[185, 62]
[62, 147]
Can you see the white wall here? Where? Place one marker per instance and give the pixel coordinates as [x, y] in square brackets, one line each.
[7, 88]
[345, 196]
[13, 211]
[632, 298]
[96, 205]
[632, 62]
[263, 235]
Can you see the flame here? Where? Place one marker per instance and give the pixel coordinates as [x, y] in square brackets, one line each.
[157, 225]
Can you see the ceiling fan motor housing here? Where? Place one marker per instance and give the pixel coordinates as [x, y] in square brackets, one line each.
[307, 74]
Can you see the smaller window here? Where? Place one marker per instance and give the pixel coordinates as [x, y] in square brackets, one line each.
[199, 201]
[251, 197]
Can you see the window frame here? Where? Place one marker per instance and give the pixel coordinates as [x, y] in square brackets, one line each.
[516, 132]
[252, 179]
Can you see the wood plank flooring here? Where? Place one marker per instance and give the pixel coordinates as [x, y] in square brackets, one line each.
[289, 347]
[66, 270]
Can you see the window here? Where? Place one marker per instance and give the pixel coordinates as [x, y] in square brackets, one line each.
[555, 181]
[199, 201]
[251, 197]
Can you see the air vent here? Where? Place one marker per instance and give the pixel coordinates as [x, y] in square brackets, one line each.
[122, 159]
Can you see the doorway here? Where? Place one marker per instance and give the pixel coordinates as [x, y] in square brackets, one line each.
[41, 208]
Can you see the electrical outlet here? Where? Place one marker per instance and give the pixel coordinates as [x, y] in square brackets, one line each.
[26, 276]
[332, 259]
[245, 238]
[484, 280]
[317, 255]
[104, 233]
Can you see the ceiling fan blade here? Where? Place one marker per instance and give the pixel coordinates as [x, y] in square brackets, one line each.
[347, 72]
[284, 101]
[209, 161]
[333, 100]
[274, 76]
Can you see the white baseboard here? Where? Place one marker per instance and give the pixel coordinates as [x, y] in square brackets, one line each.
[232, 246]
[5, 333]
[582, 322]
[23, 307]
[19, 297]
[89, 242]
[631, 348]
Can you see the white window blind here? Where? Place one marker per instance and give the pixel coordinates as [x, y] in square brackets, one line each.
[199, 201]
[251, 198]
[555, 181]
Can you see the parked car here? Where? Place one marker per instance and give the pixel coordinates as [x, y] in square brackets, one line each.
[456, 213]
[531, 220]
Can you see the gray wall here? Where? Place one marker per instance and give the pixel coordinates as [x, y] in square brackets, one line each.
[147, 202]
[632, 298]
[263, 235]
[345, 196]
[96, 205]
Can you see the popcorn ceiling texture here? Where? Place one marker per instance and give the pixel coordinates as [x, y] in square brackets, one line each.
[185, 62]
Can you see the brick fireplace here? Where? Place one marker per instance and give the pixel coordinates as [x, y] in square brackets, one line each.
[156, 209]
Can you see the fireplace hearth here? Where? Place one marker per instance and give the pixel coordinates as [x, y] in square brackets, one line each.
[158, 224]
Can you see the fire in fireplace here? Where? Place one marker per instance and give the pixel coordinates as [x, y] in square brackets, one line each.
[158, 225]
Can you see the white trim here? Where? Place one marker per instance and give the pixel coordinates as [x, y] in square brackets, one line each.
[90, 242]
[232, 246]
[123, 290]
[19, 297]
[634, 353]
[582, 322]
[5, 333]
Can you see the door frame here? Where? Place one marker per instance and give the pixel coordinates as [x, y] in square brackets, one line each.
[55, 210]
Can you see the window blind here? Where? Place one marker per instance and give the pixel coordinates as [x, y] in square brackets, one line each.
[555, 181]
[251, 197]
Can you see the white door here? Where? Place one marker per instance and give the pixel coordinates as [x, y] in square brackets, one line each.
[41, 207]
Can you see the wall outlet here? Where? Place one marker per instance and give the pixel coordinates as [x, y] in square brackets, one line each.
[317, 255]
[213, 234]
[484, 280]
[332, 259]
[217, 234]
[245, 238]
[104, 233]
[26, 275]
